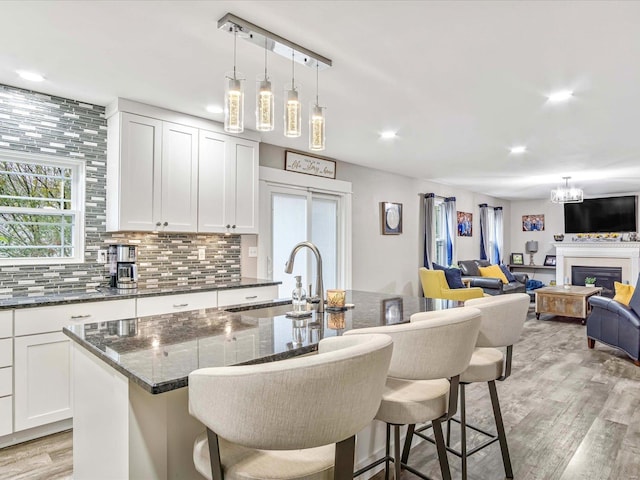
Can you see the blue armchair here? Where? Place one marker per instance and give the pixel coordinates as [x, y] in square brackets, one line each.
[615, 324]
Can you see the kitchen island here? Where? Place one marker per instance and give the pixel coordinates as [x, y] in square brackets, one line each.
[131, 415]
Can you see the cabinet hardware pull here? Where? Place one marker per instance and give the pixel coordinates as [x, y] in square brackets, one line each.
[75, 317]
[251, 297]
[233, 226]
[166, 223]
[228, 225]
[178, 305]
[158, 224]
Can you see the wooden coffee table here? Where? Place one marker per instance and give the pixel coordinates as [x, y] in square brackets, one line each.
[567, 302]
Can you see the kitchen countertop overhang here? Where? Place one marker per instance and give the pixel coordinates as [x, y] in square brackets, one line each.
[158, 352]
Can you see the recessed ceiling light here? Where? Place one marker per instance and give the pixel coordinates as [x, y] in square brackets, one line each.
[518, 149]
[388, 134]
[561, 96]
[31, 76]
[214, 109]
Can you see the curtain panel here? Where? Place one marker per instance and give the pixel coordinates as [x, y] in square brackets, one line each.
[451, 228]
[428, 202]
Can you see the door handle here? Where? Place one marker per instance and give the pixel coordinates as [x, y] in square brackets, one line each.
[178, 305]
[76, 317]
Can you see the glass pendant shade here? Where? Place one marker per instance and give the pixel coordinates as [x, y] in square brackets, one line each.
[292, 113]
[265, 106]
[316, 127]
[234, 104]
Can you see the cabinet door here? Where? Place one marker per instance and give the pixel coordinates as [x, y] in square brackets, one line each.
[212, 193]
[245, 186]
[179, 198]
[42, 379]
[136, 182]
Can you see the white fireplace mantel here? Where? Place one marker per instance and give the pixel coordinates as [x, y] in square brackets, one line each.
[623, 254]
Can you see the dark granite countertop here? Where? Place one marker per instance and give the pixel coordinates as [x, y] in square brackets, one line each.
[158, 352]
[107, 293]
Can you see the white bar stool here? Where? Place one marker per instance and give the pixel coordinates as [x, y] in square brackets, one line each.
[290, 419]
[503, 318]
[425, 356]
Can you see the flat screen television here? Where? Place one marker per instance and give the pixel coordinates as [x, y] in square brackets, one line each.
[602, 215]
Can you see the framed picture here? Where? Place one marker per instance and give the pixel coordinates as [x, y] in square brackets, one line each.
[533, 223]
[465, 224]
[517, 259]
[392, 311]
[319, 167]
[550, 261]
[391, 218]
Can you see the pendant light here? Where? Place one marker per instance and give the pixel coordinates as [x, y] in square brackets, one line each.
[265, 104]
[316, 123]
[292, 106]
[234, 96]
[566, 194]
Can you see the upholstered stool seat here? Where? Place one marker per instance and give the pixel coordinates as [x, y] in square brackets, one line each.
[293, 419]
[405, 401]
[486, 364]
[249, 464]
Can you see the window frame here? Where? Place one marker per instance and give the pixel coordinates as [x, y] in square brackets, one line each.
[77, 209]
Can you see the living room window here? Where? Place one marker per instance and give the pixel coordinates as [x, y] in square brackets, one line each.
[41, 209]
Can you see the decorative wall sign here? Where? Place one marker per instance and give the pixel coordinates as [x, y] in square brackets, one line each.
[392, 311]
[532, 223]
[465, 224]
[391, 218]
[320, 167]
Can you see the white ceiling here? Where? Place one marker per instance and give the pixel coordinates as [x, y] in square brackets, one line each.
[461, 82]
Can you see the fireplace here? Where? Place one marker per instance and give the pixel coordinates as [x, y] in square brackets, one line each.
[605, 276]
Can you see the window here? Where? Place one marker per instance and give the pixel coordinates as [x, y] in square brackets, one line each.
[440, 232]
[41, 209]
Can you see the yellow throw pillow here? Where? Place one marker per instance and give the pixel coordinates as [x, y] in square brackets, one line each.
[623, 293]
[494, 271]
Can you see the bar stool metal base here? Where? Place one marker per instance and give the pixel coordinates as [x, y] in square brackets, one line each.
[463, 453]
[402, 465]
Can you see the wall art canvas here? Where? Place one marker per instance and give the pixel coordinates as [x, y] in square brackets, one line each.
[533, 223]
[465, 224]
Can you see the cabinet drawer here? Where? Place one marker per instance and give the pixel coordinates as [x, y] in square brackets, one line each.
[6, 323]
[31, 321]
[239, 296]
[6, 415]
[176, 303]
[6, 381]
[6, 352]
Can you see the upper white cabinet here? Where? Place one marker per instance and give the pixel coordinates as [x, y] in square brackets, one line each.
[227, 184]
[174, 173]
[179, 178]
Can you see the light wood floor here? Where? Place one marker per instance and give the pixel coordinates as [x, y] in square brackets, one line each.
[570, 413]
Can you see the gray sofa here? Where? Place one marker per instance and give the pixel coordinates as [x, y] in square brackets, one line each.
[491, 286]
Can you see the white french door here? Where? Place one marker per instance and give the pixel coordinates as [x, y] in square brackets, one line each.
[297, 214]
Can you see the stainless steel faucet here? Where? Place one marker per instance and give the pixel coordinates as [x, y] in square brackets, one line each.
[288, 268]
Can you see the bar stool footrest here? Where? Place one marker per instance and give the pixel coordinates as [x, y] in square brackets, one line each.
[492, 439]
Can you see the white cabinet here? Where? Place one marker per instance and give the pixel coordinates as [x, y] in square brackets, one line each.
[152, 175]
[133, 172]
[228, 184]
[42, 358]
[176, 303]
[179, 192]
[239, 296]
[6, 372]
[42, 380]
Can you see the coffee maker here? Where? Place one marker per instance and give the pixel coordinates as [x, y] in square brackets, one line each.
[122, 266]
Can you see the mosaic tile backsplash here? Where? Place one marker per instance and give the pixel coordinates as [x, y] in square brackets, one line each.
[38, 123]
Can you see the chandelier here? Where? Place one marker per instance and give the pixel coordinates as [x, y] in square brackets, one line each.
[566, 194]
[234, 95]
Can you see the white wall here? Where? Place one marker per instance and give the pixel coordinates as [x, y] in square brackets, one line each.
[389, 263]
[553, 224]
